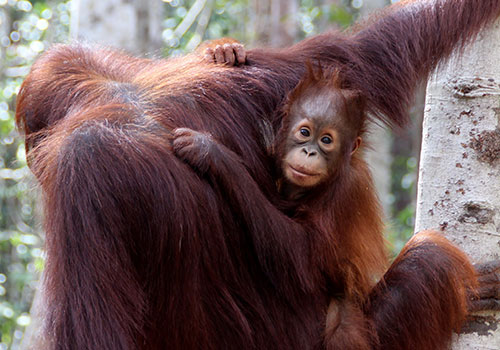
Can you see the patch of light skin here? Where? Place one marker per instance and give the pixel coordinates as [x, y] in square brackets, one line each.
[320, 109]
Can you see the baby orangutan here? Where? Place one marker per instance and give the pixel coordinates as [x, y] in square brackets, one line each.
[316, 165]
[318, 138]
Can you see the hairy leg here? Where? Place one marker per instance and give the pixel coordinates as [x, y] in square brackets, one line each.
[424, 296]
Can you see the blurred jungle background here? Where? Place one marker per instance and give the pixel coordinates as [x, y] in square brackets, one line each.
[158, 28]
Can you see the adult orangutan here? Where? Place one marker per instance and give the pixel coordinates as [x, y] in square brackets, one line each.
[142, 253]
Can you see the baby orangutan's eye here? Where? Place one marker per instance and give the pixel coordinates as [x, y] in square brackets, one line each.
[326, 140]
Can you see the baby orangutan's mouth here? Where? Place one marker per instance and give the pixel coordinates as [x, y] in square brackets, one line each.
[302, 171]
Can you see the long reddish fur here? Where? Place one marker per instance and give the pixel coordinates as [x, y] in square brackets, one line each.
[344, 211]
[420, 300]
[143, 254]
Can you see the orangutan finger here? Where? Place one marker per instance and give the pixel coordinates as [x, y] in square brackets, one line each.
[219, 54]
[209, 55]
[229, 54]
[488, 267]
[484, 305]
[241, 54]
[488, 291]
[491, 278]
[182, 132]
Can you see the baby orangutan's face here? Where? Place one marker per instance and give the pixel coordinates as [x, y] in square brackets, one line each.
[316, 140]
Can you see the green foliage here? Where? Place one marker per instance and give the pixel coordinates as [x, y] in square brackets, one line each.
[340, 15]
[235, 18]
[404, 170]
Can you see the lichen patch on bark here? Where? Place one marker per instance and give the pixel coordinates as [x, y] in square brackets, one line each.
[487, 146]
[476, 213]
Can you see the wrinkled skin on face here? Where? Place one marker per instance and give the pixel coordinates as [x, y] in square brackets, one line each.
[319, 138]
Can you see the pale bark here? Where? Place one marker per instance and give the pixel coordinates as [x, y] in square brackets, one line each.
[459, 180]
[274, 23]
[284, 22]
[372, 5]
[4, 31]
[131, 25]
[33, 338]
[379, 158]
[259, 22]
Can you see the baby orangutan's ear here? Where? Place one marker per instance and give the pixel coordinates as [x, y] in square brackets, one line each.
[356, 145]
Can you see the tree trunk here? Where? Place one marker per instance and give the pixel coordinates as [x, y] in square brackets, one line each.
[284, 22]
[5, 23]
[373, 5]
[459, 178]
[131, 25]
[279, 15]
[379, 159]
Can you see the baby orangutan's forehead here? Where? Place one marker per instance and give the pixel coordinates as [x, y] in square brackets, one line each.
[323, 106]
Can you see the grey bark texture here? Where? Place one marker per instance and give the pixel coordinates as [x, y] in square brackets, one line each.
[131, 25]
[459, 179]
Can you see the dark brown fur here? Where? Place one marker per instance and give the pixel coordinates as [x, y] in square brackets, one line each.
[144, 254]
[347, 327]
[419, 301]
[342, 218]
